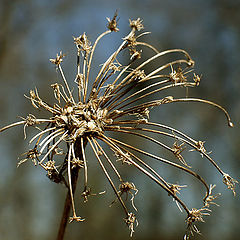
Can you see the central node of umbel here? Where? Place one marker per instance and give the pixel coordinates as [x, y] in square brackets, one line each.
[82, 118]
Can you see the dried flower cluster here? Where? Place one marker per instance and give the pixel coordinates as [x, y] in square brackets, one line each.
[117, 101]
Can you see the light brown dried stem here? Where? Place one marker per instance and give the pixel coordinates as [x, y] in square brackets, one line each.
[230, 124]
[68, 201]
[110, 142]
[107, 175]
[67, 205]
[166, 162]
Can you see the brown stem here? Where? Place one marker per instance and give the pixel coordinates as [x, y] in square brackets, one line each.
[67, 205]
[68, 201]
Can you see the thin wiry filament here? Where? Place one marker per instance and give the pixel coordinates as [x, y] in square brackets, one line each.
[114, 146]
[108, 177]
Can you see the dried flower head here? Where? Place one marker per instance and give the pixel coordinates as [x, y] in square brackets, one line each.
[195, 215]
[116, 101]
[112, 23]
[230, 182]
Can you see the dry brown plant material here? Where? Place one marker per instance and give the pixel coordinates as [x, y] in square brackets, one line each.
[109, 104]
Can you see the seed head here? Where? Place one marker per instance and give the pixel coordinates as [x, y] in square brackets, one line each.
[119, 99]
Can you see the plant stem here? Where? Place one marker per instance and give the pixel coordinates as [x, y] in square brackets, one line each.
[67, 205]
[74, 178]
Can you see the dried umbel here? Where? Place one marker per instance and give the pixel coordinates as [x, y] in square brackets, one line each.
[117, 101]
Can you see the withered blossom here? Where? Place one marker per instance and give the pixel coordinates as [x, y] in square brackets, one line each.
[117, 101]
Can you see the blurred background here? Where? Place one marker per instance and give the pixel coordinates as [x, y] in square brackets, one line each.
[32, 31]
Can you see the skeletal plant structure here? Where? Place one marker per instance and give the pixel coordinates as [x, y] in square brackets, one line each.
[118, 99]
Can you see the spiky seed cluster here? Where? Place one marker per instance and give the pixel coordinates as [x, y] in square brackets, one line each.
[82, 119]
[110, 104]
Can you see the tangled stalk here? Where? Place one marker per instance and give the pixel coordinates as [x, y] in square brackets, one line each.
[117, 101]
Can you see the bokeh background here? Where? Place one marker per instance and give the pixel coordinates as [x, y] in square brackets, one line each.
[32, 31]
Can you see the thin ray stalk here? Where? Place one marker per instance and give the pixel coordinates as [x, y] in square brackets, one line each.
[78, 74]
[164, 161]
[149, 93]
[191, 142]
[49, 138]
[162, 133]
[148, 77]
[109, 161]
[85, 164]
[136, 109]
[38, 121]
[53, 146]
[140, 91]
[152, 92]
[66, 83]
[110, 143]
[114, 97]
[157, 56]
[106, 65]
[70, 180]
[145, 165]
[41, 134]
[147, 45]
[90, 59]
[230, 124]
[68, 201]
[144, 136]
[108, 177]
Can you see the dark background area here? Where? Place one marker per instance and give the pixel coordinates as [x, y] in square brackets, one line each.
[31, 32]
